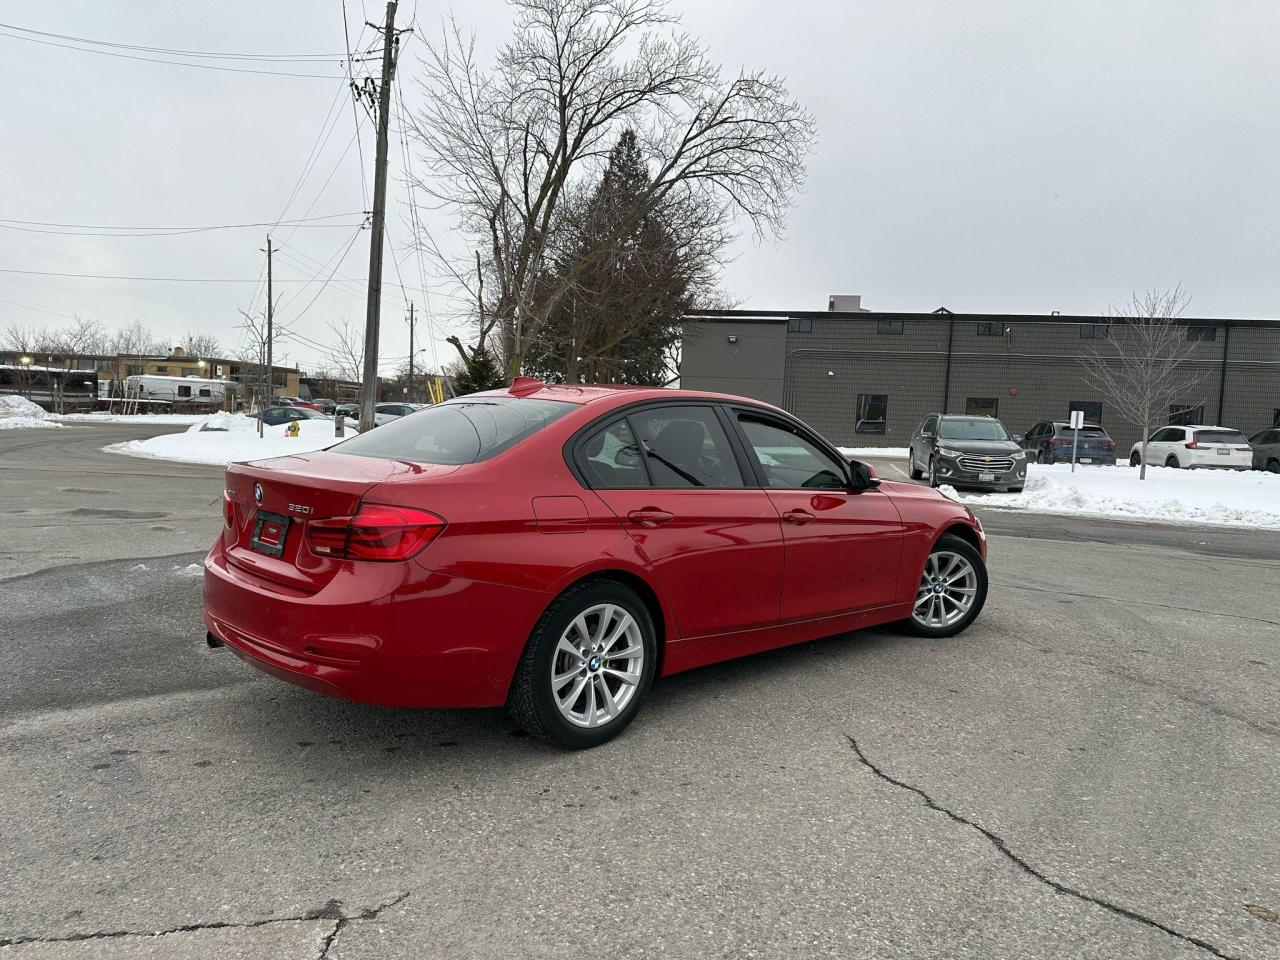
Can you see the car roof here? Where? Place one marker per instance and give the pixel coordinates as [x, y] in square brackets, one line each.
[590, 393]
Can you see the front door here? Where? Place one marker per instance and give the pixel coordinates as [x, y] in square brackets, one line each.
[843, 548]
[671, 477]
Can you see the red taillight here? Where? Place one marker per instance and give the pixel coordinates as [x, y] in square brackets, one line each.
[228, 509]
[1244, 449]
[376, 532]
[1111, 444]
[1060, 443]
[1193, 445]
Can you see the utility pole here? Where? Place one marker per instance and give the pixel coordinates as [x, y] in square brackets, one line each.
[269, 377]
[411, 394]
[370, 395]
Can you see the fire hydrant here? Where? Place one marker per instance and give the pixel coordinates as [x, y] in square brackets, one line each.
[292, 430]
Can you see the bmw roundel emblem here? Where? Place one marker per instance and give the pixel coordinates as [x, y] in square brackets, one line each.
[257, 493]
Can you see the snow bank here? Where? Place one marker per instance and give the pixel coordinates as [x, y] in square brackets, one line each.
[884, 453]
[229, 437]
[19, 413]
[1219, 497]
[175, 419]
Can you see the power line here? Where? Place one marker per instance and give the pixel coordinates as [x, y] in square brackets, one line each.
[185, 53]
[113, 276]
[172, 63]
[95, 230]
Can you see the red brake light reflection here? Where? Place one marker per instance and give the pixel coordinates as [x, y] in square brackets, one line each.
[377, 532]
[228, 509]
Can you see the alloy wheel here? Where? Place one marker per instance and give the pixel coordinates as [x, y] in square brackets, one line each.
[597, 665]
[947, 590]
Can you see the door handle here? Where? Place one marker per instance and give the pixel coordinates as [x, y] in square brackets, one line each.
[798, 516]
[650, 516]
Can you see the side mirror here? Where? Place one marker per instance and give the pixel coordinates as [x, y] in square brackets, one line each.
[1018, 438]
[861, 476]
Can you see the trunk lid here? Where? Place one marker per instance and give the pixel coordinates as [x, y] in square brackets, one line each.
[274, 500]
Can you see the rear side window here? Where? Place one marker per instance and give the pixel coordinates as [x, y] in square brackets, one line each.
[685, 446]
[612, 458]
[1233, 437]
[459, 431]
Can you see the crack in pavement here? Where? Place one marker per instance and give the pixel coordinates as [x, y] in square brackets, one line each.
[1139, 603]
[1003, 848]
[330, 911]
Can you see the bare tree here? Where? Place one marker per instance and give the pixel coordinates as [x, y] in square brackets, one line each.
[202, 345]
[1146, 364]
[508, 146]
[22, 338]
[346, 350]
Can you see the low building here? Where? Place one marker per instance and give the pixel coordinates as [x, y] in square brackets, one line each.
[868, 378]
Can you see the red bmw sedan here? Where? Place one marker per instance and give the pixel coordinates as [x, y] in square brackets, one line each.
[556, 548]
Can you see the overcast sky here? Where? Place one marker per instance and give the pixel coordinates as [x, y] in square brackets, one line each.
[1001, 156]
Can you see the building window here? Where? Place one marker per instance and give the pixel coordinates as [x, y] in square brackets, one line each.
[162, 369]
[1092, 410]
[988, 328]
[981, 406]
[891, 328]
[133, 370]
[191, 371]
[800, 325]
[1182, 414]
[1094, 331]
[873, 412]
[1202, 334]
[279, 378]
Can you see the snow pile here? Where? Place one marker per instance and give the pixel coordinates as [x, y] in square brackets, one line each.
[884, 453]
[1219, 497]
[19, 413]
[174, 419]
[234, 438]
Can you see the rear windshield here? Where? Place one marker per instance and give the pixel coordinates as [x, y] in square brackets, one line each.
[457, 431]
[972, 430]
[1088, 430]
[1221, 436]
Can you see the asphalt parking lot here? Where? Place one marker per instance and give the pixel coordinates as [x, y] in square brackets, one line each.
[1092, 770]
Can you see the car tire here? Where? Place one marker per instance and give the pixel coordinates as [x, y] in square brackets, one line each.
[911, 468]
[534, 701]
[948, 625]
[1273, 466]
[933, 472]
[1135, 459]
[1042, 457]
[1172, 461]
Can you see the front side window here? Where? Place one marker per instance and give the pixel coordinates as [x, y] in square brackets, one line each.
[873, 413]
[612, 458]
[685, 446]
[459, 431]
[788, 460]
[929, 427]
[1167, 435]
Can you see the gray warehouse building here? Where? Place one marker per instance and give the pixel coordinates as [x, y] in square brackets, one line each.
[866, 378]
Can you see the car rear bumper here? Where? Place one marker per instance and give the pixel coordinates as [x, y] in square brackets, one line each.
[1105, 458]
[1235, 461]
[386, 634]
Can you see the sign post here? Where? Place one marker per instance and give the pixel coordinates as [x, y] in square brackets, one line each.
[1077, 421]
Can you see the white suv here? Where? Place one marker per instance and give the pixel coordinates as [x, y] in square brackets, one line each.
[1195, 446]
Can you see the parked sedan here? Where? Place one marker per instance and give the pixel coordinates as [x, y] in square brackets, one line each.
[397, 409]
[554, 549]
[274, 416]
[967, 451]
[1197, 447]
[1266, 450]
[1051, 441]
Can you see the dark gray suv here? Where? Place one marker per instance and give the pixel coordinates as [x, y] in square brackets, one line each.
[967, 452]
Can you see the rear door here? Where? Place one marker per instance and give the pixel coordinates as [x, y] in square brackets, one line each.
[679, 485]
[843, 548]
